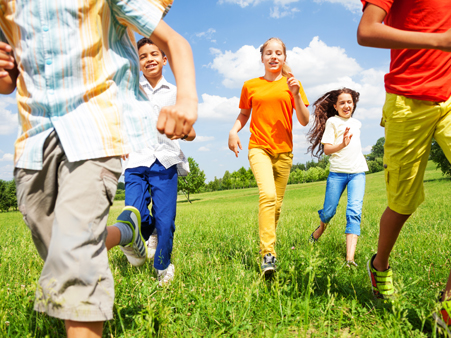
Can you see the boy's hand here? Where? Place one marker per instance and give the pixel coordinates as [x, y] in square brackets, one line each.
[293, 84]
[177, 120]
[6, 60]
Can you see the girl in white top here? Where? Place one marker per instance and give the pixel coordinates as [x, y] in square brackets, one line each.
[336, 133]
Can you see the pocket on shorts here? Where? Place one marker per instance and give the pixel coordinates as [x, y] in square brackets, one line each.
[23, 175]
[110, 185]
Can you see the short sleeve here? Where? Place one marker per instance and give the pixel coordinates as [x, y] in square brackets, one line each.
[303, 96]
[384, 4]
[329, 133]
[142, 16]
[245, 100]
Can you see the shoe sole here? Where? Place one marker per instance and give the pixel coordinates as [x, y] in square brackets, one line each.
[138, 216]
[268, 271]
[441, 323]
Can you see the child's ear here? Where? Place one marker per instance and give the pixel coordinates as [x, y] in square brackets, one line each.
[165, 60]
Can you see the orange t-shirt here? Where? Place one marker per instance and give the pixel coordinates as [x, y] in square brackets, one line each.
[272, 106]
[423, 74]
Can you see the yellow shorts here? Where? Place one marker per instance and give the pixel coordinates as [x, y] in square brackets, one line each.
[409, 127]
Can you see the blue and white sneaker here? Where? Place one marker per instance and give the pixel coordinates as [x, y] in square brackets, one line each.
[136, 251]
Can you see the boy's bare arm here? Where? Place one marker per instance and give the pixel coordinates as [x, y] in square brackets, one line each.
[373, 33]
[8, 70]
[179, 118]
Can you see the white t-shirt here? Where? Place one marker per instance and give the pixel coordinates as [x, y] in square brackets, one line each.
[167, 151]
[349, 160]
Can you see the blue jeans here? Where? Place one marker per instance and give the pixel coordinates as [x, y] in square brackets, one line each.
[163, 194]
[336, 184]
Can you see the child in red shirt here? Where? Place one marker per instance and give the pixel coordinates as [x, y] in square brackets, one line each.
[417, 108]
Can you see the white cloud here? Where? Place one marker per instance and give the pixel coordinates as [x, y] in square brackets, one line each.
[6, 172]
[316, 64]
[367, 149]
[241, 3]
[278, 12]
[237, 67]
[203, 149]
[319, 67]
[9, 122]
[208, 35]
[354, 6]
[203, 138]
[7, 158]
[216, 107]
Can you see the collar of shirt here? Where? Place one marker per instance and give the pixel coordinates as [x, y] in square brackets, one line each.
[161, 84]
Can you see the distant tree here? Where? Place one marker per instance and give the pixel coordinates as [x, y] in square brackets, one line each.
[121, 185]
[323, 161]
[375, 165]
[8, 197]
[12, 194]
[310, 164]
[300, 166]
[4, 200]
[439, 158]
[195, 180]
[313, 174]
[377, 151]
[227, 180]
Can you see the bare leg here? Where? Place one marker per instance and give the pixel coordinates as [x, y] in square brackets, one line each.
[83, 329]
[447, 293]
[390, 227]
[351, 244]
[318, 232]
[113, 238]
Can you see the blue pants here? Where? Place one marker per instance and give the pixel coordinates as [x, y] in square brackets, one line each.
[336, 184]
[163, 194]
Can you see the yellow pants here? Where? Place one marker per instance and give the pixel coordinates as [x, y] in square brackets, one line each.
[271, 173]
[409, 127]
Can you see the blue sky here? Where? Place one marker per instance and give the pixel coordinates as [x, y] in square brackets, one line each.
[225, 36]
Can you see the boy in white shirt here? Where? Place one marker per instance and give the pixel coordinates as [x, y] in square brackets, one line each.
[156, 168]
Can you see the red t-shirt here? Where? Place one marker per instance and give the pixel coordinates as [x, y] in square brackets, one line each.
[272, 109]
[423, 74]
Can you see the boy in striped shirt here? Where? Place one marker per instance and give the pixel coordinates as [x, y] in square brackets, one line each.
[81, 108]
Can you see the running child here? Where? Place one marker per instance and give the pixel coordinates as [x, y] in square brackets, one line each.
[271, 99]
[417, 108]
[336, 133]
[80, 109]
[156, 167]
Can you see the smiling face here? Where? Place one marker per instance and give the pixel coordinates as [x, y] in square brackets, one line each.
[344, 105]
[151, 61]
[273, 56]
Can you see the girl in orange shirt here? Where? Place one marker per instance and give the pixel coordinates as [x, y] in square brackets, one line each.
[271, 98]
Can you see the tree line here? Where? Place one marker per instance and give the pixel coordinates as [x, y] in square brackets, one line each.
[310, 171]
[8, 199]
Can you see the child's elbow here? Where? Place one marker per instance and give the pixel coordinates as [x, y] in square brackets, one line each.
[305, 121]
[364, 36]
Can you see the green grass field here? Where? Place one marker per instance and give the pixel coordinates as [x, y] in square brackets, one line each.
[218, 290]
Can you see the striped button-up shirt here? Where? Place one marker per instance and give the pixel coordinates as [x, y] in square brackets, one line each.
[167, 151]
[79, 75]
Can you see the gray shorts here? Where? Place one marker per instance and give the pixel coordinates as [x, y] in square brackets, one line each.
[66, 206]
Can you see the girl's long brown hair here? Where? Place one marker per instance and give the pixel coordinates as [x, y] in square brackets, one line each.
[285, 68]
[324, 108]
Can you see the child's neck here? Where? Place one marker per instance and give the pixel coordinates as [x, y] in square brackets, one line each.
[154, 80]
[269, 76]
